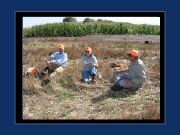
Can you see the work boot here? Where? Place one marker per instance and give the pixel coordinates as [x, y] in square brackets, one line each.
[116, 87]
[48, 70]
[87, 82]
[45, 82]
[93, 77]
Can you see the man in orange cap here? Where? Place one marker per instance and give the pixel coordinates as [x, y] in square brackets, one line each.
[90, 64]
[58, 60]
[134, 76]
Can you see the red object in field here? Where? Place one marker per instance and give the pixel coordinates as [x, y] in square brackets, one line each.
[34, 71]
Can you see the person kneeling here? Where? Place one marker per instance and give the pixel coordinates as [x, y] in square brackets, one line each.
[90, 65]
[134, 77]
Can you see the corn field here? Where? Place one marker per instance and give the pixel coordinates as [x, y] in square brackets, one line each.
[79, 29]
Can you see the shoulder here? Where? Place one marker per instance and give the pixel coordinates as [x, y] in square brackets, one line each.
[140, 63]
[84, 56]
[55, 53]
[65, 54]
[94, 57]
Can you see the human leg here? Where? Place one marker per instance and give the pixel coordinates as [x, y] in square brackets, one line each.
[116, 87]
[51, 67]
[85, 76]
[59, 69]
[93, 72]
[129, 84]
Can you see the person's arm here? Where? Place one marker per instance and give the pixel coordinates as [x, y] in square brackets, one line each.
[51, 58]
[84, 61]
[95, 63]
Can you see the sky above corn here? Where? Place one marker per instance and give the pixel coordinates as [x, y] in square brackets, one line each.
[32, 21]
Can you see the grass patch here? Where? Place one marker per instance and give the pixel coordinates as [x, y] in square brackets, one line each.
[67, 83]
[65, 95]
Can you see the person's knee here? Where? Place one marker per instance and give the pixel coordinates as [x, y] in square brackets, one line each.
[93, 70]
[59, 69]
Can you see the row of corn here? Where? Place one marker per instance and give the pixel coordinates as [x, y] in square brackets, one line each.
[78, 29]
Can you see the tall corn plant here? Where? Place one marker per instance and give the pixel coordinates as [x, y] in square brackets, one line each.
[78, 29]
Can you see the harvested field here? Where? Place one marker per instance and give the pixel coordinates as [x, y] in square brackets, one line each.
[65, 97]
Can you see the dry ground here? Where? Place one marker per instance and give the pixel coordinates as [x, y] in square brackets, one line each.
[67, 98]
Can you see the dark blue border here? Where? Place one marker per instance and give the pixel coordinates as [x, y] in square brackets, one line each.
[8, 75]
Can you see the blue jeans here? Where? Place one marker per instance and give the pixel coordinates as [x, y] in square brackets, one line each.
[87, 74]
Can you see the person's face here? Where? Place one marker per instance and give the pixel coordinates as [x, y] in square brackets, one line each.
[88, 53]
[60, 50]
[131, 58]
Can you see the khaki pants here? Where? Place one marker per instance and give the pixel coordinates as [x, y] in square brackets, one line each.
[58, 70]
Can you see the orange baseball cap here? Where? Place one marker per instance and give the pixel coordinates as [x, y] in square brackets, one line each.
[134, 53]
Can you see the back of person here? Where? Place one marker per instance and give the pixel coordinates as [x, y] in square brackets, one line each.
[137, 72]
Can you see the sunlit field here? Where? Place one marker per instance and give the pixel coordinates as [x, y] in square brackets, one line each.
[66, 97]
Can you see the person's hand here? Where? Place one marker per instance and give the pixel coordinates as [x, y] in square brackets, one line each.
[50, 61]
[91, 64]
[88, 64]
[50, 58]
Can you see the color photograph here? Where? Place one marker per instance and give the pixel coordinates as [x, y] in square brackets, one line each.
[92, 68]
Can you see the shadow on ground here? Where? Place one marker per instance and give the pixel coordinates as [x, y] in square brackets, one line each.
[123, 93]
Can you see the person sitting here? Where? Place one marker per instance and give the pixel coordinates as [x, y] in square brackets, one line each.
[118, 70]
[89, 66]
[57, 61]
[134, 76]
